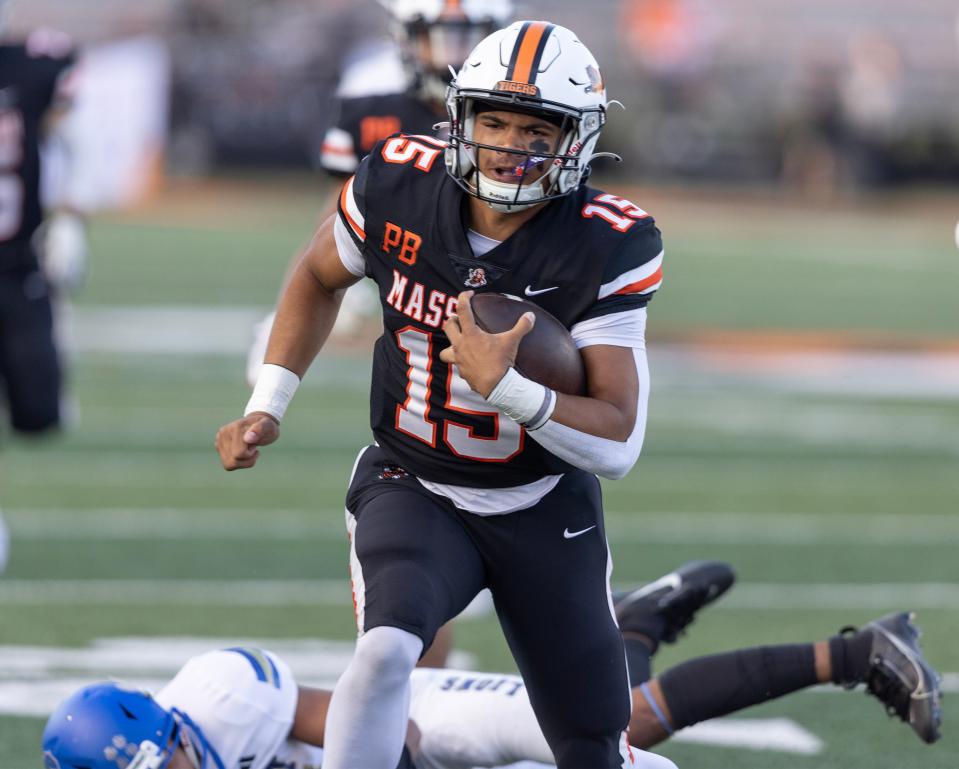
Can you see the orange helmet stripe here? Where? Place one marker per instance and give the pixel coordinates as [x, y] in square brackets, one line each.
[527, 52]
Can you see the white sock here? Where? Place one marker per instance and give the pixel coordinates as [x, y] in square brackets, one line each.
[4, 543]
[367, 719]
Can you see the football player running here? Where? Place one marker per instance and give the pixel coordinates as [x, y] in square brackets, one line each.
[37, 258]
[241, 708]
[479, 476]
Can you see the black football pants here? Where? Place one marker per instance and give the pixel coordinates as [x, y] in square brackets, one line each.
[417, 561]
[30, 373]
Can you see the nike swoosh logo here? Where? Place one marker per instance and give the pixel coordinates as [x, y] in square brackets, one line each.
[567, 534]
[672, 581]
[531, 292]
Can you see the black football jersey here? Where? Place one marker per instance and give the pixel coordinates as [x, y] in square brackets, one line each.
[363, 121]
[582, 256]
[29, 76]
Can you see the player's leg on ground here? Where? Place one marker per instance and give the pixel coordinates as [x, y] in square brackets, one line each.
[885, 655]
[551, 593]
[661, 610]
[413, 567]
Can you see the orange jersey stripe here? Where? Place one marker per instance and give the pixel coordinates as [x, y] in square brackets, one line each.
[640, 285]
[523, 71]
[356, 228]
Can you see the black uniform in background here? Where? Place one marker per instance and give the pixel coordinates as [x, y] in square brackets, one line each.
[30, 373]
[363, 121]
[418, 559]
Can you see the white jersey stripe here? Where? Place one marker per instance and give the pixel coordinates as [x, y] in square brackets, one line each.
[354, 217]
[346, 247]
[633, 276]
[356, 568]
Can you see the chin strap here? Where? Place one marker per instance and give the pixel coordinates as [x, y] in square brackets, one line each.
[506, 198]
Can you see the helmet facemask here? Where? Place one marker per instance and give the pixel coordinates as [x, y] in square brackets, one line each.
[565, 165]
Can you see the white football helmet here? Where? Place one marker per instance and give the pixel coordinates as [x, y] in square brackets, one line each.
[535, 67]
[435, 35]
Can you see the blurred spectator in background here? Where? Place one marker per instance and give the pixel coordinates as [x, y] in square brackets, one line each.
[840, 135]
[252, 79]
[670, 46]
[871, 95]
[815, 131]
[39, 258]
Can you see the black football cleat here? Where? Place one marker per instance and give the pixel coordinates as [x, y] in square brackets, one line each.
[671, 602]
[900, 677]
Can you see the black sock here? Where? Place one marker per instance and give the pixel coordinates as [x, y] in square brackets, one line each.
[708, 687]
[849, 656]
[638, 660]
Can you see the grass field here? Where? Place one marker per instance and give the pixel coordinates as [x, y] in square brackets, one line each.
[835, 504]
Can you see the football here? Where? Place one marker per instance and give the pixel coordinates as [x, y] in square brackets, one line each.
[547, 354]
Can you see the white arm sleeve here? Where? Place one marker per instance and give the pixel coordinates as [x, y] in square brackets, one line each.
[608, 458]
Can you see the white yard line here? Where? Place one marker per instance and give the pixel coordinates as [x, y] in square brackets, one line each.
[228, 330]
[649, 527]
[331, 592]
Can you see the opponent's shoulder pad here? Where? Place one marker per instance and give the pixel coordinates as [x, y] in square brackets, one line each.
[243, 698]
[256, 666]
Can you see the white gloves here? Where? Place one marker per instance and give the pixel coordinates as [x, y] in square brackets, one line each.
[63, 251]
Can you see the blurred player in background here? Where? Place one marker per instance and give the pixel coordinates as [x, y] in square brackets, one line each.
[241, 707]
[39, 258]
[402, 87]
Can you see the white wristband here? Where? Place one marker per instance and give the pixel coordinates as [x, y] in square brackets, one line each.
[523, 400]
[273, 391]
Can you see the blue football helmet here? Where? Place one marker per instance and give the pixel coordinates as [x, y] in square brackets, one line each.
[105, 726]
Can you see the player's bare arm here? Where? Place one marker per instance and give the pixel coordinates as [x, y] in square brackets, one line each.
[304, 318]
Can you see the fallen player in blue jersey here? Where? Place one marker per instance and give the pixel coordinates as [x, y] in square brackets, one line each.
[241, 707]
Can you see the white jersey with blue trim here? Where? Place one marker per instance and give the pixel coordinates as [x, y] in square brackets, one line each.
[243, 700]
[470, 719]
